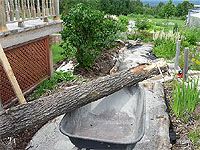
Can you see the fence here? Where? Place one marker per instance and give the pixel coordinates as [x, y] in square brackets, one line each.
[22, 10]
[30, 64]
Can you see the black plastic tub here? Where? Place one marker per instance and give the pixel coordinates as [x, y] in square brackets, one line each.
[113, 122]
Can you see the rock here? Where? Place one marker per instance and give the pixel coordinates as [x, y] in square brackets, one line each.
[171, 23]
[197, 110]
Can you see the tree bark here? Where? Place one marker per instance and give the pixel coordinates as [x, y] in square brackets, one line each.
[26, 116]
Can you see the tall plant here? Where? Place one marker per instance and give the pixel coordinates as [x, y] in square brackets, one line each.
[89, 31]
[184, 98]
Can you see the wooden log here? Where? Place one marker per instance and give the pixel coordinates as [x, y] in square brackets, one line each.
[26, 116]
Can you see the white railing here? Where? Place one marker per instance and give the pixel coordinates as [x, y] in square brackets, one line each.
[22, 10]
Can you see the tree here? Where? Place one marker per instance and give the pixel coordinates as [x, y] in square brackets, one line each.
[182, 8]
[168, 10]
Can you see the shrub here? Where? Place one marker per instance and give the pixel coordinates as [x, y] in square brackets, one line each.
[164, 48]
[145, 36]
[89, 31]
[143, 24]
[123, 20]
[192, 36]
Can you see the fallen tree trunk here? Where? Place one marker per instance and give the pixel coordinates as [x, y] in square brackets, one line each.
[26, 116]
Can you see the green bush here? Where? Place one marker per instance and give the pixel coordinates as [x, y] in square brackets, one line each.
[192, 36]
[123, 20]
[143, 24]
[145, 36]
[164, 48]
[89, 31]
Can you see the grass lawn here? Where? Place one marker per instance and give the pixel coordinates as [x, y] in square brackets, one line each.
[57, 50]
[159, 24]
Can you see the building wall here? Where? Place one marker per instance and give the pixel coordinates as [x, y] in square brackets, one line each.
[194, 21]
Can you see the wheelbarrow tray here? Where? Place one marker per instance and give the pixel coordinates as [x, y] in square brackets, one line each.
[113, 122]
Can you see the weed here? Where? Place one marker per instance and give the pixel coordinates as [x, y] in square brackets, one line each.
[195, 137]
[51, 83]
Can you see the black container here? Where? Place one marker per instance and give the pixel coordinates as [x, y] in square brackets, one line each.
[113, 122]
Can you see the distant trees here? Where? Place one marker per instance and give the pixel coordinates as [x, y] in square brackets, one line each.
[168, 10]
[182, 8]
[125, 7]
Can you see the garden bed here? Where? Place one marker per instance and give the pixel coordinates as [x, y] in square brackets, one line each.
[183, 134]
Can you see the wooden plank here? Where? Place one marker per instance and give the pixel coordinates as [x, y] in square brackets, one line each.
[11, 76]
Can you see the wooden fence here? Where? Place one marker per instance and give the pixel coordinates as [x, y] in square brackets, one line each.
[22, 10]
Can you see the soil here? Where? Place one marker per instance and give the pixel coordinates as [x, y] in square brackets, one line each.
[102, 66]
[179, 129]
[19, 141]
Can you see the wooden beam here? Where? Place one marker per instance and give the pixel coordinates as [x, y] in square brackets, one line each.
[11, 76]
[36, 112]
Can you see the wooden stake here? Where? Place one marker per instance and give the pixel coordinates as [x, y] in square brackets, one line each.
[185, 69]
[11, 76]
[178, 46]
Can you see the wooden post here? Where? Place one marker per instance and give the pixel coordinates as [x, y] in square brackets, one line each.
[1, 107]
[56, 4]
[28, 9]
[33, 7]
[11, 10]
[54, 39]
[47, 8]
[38, 9]
[50, 7]
[178, 46]
[16, 10]
[23, 11]
[11, 76]
[3, 26]
[7, 12]
[53, 8]
[185, 69]
[43, 9]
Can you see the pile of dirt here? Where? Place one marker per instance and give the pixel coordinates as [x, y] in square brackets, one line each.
[19, 141]
[180, 129]
[102, 66]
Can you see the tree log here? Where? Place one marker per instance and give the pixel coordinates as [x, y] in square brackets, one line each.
[26, 116]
